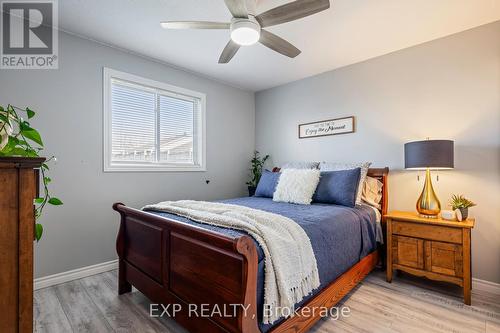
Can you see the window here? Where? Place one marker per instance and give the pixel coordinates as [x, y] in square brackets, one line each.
[151, 126]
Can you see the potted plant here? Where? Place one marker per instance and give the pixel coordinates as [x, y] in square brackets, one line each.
[257, 164]
[18, 138]
[462, 204]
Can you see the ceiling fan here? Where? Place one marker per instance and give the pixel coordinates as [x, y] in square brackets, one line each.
[247, 28]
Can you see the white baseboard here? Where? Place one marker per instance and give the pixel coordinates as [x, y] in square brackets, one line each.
[82, 272]
[75, 274]
[486, 286]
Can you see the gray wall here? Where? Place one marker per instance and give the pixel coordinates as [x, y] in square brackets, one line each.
[448, 88]
[69, 106]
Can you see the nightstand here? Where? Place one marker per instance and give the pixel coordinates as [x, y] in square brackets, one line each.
[433, 248]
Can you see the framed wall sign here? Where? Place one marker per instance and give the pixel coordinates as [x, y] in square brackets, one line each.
[326, 127]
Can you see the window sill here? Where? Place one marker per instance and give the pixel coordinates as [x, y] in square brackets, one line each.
[154, 168]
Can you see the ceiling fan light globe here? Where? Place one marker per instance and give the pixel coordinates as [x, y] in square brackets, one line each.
[245, 36]
[245, 32]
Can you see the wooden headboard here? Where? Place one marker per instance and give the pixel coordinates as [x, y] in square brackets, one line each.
[381, 174]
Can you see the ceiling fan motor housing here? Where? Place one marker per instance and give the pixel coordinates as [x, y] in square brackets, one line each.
[245, 31]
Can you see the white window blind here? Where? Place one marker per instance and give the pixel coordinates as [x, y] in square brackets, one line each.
[133, 124]
[177, 123]
[152, 126]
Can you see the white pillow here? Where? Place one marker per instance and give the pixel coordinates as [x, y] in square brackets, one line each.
[372, 192]
[300, 165]
[296, 186]
[334, 166]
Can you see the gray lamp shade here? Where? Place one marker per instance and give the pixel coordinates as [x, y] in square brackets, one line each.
[432, 154]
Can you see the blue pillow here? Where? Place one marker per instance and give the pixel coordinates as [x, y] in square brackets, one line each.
[267, 184]
[338, 187]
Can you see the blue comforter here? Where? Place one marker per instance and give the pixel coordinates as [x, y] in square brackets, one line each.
[340, 237]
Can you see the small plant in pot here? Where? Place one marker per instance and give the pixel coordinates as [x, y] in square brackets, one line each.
[462, 204]
[18, 138]
[257, 164]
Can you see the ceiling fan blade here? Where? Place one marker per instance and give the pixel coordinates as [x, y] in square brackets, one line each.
[251, 7]
[228, 52]
[237, 8]
[292, 11]
[278, 44]
[194, 25]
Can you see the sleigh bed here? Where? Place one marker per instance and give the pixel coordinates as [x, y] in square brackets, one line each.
[172, 261]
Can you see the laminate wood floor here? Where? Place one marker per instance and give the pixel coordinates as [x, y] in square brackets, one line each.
[406, 305]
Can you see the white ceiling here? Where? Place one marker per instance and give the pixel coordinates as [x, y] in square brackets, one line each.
[350, 31]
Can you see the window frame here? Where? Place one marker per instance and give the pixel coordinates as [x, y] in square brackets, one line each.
[159, 88]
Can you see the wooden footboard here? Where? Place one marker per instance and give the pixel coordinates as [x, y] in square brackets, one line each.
[202, 271]
[180, 264]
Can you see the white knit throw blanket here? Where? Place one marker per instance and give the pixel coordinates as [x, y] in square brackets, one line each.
[291, 272]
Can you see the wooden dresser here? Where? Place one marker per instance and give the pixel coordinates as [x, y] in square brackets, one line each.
[18, 188]
[433, 248]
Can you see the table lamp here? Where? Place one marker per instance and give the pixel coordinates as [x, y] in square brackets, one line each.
[427, 155]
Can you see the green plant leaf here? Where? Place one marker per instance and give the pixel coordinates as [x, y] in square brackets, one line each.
[30, 113]
[11, 144]
[3, 118]
[45, 166]
[21, 142]
[55, 201]
[19, 152]
[39, 200]
[459, 201]
[24, 126]
[13, 141]
[38, 231]
[46, 180]
[32, 153]
[33, 135]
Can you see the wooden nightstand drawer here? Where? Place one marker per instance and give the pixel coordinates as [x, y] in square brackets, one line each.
[432, 232]
[443, 258]
[408, 251]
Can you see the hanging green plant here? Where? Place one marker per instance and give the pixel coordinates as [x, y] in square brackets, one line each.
[18, 138]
